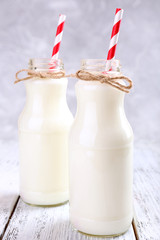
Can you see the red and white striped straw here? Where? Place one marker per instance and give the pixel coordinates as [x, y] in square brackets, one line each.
[59, 35]
[114, 37]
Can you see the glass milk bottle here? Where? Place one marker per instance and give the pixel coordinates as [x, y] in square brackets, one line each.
[100, 158]
[43, 126]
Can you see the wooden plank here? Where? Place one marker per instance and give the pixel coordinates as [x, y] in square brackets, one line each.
[147, 193]
[8, 181]
[33, 223]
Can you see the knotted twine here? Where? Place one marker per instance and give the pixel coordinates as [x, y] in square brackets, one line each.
[112, 80]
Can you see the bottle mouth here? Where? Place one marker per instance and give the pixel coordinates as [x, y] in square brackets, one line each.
[99, 65]
[44, 64]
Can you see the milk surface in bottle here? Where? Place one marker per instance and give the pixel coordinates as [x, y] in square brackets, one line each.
[100, 158]
[44, 125]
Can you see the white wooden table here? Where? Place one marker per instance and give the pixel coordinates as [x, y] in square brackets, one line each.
[23, 222]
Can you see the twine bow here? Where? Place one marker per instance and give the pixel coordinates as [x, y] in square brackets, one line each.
[112, 80]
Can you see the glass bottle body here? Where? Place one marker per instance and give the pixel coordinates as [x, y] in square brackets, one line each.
[100, 156]
[44, 126]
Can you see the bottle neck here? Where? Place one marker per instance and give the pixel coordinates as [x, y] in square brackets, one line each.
[46, 96]
[96, 100]
[99, 102]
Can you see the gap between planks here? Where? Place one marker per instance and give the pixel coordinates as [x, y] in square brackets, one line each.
[10, 217]
[135, 229]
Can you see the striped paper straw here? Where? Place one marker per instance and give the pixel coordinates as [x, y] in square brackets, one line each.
[114, 37]
[59, 35]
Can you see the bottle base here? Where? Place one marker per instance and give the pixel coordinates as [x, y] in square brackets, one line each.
[101, 236]
[46, 206]
[42, 199]
[101, 229]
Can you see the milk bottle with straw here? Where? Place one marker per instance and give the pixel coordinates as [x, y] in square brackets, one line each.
[101, 148]
[43, 132]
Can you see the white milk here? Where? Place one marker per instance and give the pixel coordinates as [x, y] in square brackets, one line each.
[43, 136]
[100, 156]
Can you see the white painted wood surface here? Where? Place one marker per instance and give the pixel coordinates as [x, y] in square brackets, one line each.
[8, 181]
[147, 192]
[31, 223]
[46, 224]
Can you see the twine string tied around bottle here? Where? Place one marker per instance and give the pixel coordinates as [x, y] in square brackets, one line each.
[111, 79]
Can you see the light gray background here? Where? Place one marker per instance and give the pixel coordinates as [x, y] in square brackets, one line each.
[27, 30]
